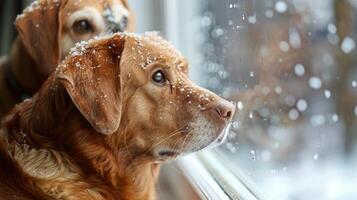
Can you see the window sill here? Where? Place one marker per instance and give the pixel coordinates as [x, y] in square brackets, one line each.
[212, 180]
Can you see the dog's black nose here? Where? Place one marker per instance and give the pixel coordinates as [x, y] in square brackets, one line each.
[225, 109]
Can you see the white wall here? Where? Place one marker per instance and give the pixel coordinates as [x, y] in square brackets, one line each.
[149, 15]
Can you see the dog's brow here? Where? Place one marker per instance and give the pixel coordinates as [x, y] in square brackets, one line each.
[160, 62]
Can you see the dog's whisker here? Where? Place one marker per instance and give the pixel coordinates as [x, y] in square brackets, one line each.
[164, 140]
[168, 137]
[184, 140]
[172, 134]
[178, 142]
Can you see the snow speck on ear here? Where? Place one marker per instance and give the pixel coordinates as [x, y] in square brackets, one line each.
[35, 5]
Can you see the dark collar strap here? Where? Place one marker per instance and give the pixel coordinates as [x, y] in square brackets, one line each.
[14, 84]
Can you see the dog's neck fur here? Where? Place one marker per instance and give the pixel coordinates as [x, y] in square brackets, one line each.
[24, 68]
[83, 162]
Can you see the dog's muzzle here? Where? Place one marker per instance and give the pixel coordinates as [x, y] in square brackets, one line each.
[115, 26]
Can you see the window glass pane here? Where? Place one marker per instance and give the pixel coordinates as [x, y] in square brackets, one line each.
[291, 68]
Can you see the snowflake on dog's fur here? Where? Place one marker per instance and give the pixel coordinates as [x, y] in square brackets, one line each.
[152, 38]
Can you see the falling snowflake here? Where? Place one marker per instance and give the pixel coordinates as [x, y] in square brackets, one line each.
[327, 94]
[281, 6]
[315, 83]
[348, 45]
[299, 70]
[301, 105]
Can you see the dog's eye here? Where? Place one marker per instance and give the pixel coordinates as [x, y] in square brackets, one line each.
[159, 77]
[82, 27]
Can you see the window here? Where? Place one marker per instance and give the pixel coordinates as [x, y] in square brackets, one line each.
[290, 66]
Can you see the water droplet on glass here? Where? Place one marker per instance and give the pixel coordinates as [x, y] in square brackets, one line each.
[348, 45]
[294, 114]
[299, 69]
[284, 46]
[206, 21]
[240, 105]
[278, 90]
[235, 125]
[281, 6]
[316, 156]
[253, 154]
[252, 19]
[327, 94]
[217, 32]
[301, 105]
[335, 118]
[233, 5]
[332, 28]
[231, 147]
[315, 83]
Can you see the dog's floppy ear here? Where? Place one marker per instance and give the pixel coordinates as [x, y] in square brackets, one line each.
[92, 79]
[40, 29]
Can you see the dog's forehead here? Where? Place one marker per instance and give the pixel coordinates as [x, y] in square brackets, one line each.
[71, 5]
[101, 5]
[151, 47]
[143, 49]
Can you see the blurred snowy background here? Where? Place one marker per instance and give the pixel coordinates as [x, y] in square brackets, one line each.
[291, 68]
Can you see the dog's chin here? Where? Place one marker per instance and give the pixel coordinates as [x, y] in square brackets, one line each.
[163, 155]
[166, 154]
[221, 138]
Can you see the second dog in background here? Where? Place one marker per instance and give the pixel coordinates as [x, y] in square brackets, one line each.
[48, 29]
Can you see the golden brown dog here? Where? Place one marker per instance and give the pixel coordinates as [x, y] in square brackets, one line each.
[48, 29]
[101, 125]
